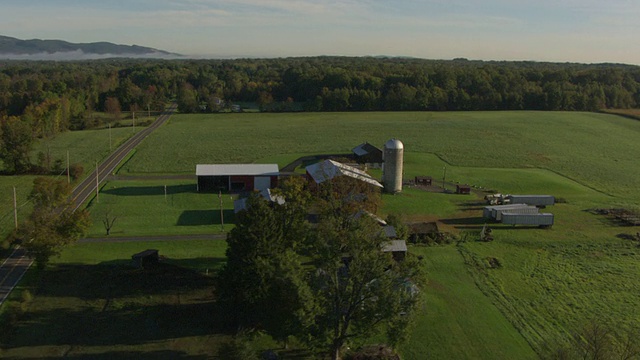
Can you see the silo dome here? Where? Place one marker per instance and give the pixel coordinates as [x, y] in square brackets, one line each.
[394, 144]
[392, 167]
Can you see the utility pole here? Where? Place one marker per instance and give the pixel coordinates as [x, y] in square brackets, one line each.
[97, 184]
[15, 207]
[109, 136]
[68, 174]
[221, 211]
[134, 120]
[444, 175]
[165, 193]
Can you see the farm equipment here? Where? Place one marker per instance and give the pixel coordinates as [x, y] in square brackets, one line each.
[497, 199]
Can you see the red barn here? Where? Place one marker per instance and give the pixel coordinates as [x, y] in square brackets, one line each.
[237, 177]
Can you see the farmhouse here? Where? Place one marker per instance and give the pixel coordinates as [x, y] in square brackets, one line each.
[329, 169]
[236, 177]
[366, 153]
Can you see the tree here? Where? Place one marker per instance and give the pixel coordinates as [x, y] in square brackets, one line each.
[16, 143]
[108, 221]
[112, 107]
[53, 224]
[359, 290]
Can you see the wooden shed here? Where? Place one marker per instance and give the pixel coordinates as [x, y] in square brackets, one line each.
[463, 189]
[423, 180]
[145, 258]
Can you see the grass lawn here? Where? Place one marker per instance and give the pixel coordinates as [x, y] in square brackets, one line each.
[92, 303]
[142, 208]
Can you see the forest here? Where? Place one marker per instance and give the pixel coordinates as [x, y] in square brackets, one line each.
[39, 99]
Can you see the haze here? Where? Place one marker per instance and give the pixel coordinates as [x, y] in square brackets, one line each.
[588, 31]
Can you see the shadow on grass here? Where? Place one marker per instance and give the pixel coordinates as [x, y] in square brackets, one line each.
[205, 217]
[466, 221]
[119, 278]
[150, 190]
[141, 355]
[112, 304]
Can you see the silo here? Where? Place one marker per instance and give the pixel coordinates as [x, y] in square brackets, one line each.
[392, 168]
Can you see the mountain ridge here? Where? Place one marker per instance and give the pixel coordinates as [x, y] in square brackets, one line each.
[13, 48]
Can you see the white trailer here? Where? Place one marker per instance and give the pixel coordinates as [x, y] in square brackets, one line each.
[490, 212]
[542, 219]
[535, 200]
[524, 210]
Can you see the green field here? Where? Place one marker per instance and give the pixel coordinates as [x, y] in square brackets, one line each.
[143, 208]
[551, 282]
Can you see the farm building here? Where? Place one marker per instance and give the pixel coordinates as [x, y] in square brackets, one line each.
[329, 169]
[241, 204]
[423, 180]
[419, 232]
[463, 189]
[366, 153]
[145, 258]
[397, 248]
[236, 177]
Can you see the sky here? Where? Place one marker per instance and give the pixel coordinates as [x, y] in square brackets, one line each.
[585, 31]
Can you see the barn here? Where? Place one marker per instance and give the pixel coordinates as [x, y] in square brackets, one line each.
[366, 153]
[236, 177]
[329, 169]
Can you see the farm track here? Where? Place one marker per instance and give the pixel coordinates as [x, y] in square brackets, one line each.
[16, 265]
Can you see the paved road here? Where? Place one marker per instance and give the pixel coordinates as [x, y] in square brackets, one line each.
[12, 270]
[17, 264]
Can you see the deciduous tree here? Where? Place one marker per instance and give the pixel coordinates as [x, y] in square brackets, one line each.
[53, 224]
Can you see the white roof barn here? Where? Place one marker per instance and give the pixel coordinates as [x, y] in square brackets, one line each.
[329, 169]
[237, 170]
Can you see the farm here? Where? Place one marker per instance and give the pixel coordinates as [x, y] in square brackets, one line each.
[549, 283]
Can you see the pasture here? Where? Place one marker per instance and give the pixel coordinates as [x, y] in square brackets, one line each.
[549, 284]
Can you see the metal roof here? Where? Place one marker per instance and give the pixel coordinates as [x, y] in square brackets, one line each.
[364, 149]
[237, 170]
[241, 204]
[328, 169]
[394, 246]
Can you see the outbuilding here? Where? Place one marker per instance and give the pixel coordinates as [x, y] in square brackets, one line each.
[366, 153]
[236, 177]
[423, 180]
[463, 189]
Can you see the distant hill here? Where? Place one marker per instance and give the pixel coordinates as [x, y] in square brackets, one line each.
[36, 49]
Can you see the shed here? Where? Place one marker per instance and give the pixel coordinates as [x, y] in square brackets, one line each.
[236, 177]
[463, 189]
[423, 180]
[397, 248]
[144, 258]
[366, 153]
[418, 232]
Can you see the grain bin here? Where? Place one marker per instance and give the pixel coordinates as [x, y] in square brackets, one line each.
[392, 167]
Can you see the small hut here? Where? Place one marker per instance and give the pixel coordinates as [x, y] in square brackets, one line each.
[463, 189]
[423, 180]
[145, 258]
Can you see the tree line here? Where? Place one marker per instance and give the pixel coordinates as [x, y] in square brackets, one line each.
[41, 99]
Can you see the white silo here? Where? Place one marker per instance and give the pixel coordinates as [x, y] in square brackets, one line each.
[392, 167]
